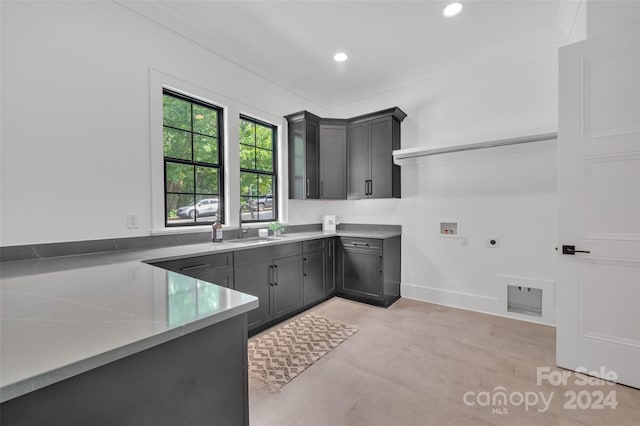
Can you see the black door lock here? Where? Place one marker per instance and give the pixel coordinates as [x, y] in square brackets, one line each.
[572, 250]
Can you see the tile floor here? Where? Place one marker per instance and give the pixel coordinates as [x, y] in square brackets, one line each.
[413, 363]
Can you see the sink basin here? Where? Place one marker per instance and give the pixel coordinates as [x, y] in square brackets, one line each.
[253, 240]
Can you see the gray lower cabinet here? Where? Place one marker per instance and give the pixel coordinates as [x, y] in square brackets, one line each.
[256, 279]
[195, 379]
[213, 268]
[368, 270]
[274, 276]
[313, 271]
[333, 161]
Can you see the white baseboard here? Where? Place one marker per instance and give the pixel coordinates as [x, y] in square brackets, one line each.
[463, 300]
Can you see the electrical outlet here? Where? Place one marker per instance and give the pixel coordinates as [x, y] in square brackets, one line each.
[132, 221]
[464, 241]
[493, 242]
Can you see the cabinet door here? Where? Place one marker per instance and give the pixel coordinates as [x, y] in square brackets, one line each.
[362, 273]
[221, 276]
[333, 162]
[381, 185]
[330, 266]
[358, 163]
[297, 160]
[255, 279]
[311, 152]
[313, 270]
[287, 291]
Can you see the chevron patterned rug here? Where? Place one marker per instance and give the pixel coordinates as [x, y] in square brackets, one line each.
[277, 357]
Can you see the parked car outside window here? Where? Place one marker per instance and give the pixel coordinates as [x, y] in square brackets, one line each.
[262, 203]
[206, 207]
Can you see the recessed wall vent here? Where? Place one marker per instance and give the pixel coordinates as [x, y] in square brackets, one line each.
[524, 300]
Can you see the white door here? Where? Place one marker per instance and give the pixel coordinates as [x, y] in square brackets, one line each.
[598, 304]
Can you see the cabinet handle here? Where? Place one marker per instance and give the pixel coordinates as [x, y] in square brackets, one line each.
[189, 268]
[330, 249]
[304, 267]
[270, 275]
[370, 186]
[366, 187]
[380, 263]
[307, 187]
[275, 274]
[360, 244]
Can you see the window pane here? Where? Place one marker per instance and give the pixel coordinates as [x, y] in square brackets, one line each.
[205, 149]
[177, 144]
[180, 208]
[248, 184]
[247, 132]
[206, 180]
[179, 177]
[265, 185]
[247, 157]
[264, 160]
[205, 120]
[176, 112]
[248, 209]
[265, 210]
[207, 208]
[264, 137]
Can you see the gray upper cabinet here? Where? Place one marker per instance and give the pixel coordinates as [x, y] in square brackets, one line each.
[371, 140]
[358, 154]
[304, 134]
[333, 161]
[344, 158]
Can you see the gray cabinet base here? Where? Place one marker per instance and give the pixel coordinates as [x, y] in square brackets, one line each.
[199, 378]
[388, 300]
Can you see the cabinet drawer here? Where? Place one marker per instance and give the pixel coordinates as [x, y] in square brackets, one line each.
[192, 265]
[361, 243]
[313, 245]
[245, 257]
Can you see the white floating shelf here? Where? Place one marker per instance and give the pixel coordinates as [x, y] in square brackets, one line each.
[402, 154]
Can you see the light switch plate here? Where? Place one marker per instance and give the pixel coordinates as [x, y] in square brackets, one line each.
[132, 221]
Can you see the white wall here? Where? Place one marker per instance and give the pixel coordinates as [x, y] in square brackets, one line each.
[604, 16]
[503, 91]
[76, 82]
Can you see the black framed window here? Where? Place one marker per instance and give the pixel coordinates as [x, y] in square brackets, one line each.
[258, 172]
[193, 169]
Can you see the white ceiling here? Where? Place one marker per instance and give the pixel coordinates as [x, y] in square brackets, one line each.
[292, 43]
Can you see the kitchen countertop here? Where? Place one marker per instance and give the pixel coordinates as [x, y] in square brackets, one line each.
[64, 316]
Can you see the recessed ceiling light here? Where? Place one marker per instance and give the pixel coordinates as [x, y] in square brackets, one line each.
[340, 57]
[452, 10]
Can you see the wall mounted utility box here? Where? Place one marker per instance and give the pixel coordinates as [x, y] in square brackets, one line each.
[524, 300]
[449, 228]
